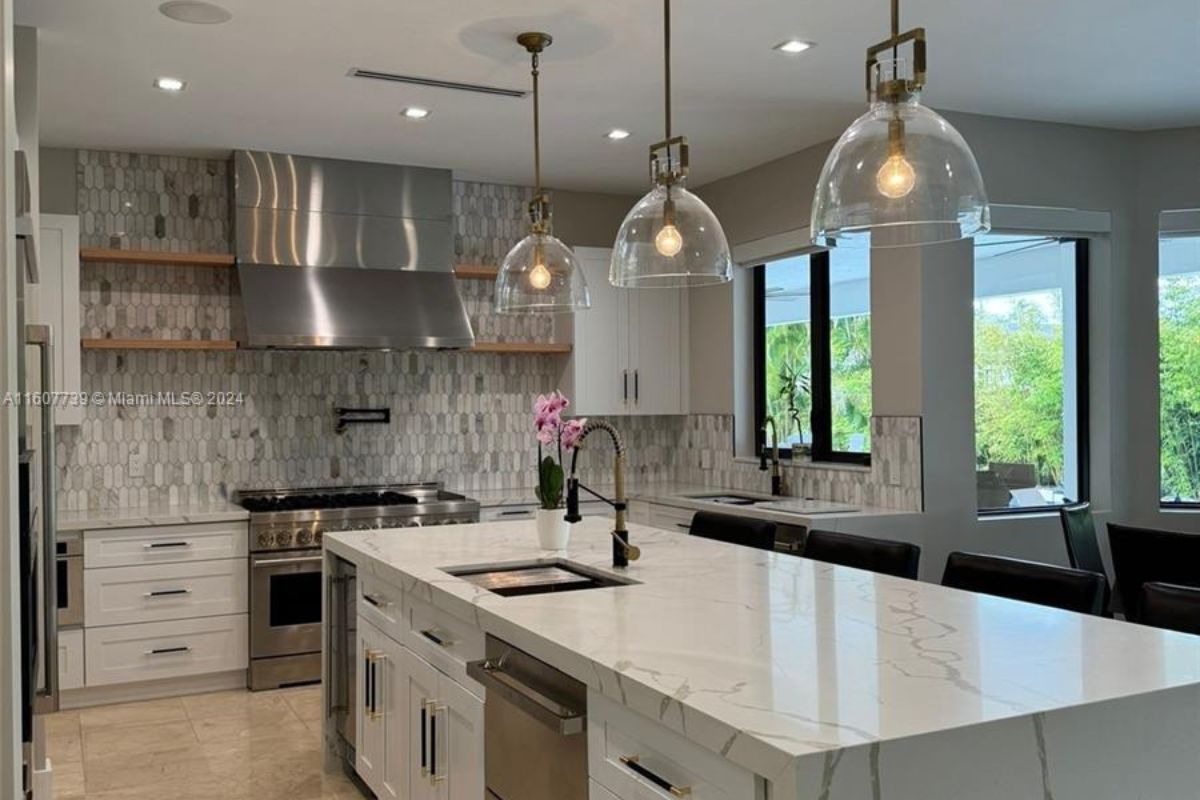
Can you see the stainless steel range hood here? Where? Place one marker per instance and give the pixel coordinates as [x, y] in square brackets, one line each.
[344, 255]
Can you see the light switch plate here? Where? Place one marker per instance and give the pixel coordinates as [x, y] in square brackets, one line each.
[137, 461]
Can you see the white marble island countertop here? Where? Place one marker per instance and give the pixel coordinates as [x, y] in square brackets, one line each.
[801, 672]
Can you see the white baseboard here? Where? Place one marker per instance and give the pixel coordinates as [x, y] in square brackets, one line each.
[152, 690]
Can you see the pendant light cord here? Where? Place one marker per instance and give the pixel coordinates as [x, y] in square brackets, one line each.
[667, 64]
[537, 133]
[895, 33]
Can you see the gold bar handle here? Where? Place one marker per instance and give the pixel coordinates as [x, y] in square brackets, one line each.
[634, 764]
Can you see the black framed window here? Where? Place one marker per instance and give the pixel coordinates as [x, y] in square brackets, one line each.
[812, 340]
[1179, 370]
[1031, 372]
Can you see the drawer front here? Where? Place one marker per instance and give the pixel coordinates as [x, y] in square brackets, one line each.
[70, 658]
[507, 513]
[127, 547]
[445, 641]
[638, 759]
[382, 605]
[598, 792]
[670, 518]
[155, 592]
[153, 650]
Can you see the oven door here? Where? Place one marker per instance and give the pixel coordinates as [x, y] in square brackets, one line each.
[70, 580]
[285, 603]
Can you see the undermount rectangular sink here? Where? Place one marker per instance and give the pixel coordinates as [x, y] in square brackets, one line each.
[536, 577]
[729, 499]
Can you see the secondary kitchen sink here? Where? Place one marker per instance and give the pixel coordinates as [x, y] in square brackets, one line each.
[536, 577]
[729, 499]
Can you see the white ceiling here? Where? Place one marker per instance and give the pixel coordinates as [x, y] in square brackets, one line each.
[275, 76]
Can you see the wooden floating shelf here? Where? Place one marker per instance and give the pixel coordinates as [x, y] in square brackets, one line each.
[468, 271]
[159, 344]
[156, 257]
[531, 348]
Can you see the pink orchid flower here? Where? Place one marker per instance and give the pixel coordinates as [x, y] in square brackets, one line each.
[572, 431]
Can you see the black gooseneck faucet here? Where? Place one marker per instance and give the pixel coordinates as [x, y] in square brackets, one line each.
[623, 552]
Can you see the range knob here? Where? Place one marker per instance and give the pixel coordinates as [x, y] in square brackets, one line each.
[283, 538]
[303, 537]
[264, 540]
[317, 537]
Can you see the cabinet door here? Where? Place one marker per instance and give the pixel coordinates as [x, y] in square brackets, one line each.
[421, 680]
[599, 361]
[459, 742]
[657, 351]
[393, 703]
[369, 729]
[58, 306]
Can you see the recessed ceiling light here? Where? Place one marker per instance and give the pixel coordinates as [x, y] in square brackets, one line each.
[195, 12]
[617, 134]
[414, 112]
[169, 84]
[794, 46]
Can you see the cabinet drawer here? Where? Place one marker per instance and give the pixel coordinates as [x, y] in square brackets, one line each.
[637, 759]
[381, 604]
[598, 792]
[507, 513]
[445, 641]
[152, 650]
[70, 658]
[127, 547]
[670, 518]
[155, 592]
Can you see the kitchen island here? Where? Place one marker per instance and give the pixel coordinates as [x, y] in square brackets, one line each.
[823, 681]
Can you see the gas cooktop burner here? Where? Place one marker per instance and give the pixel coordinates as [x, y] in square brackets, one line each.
[305, 502]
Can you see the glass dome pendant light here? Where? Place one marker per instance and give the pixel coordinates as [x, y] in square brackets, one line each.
[670, 238]
[540, 274]
[900, 175]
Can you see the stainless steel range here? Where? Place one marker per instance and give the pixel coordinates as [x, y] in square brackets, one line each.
[286, 527]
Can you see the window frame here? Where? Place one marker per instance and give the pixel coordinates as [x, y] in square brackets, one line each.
[821, 377]
[1083, 386]
[1165, 505]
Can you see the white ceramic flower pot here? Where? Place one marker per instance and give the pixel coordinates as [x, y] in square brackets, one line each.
[553, 529]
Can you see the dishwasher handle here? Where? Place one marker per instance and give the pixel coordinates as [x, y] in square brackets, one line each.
[559, 718]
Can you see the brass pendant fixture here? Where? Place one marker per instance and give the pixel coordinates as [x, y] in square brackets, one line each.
[900, 175]
[540, 274]
[670, 238]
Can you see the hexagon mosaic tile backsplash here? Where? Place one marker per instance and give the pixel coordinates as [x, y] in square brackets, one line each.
[458, 417]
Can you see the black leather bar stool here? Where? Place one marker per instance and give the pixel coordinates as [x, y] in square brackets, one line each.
[1083, 548]
[735, 530]
[1146, 555]
[1045, 584]
[1170, 606]
[862, 552]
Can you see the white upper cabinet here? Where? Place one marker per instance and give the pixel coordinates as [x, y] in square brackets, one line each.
[57, 305]
[630, 347]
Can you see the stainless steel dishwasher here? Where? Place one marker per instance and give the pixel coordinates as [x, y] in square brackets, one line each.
[534, 722]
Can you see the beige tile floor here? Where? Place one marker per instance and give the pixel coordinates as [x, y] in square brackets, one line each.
[237, 745]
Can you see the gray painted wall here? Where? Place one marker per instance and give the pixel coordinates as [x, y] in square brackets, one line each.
[58, 180]
[1131, 175]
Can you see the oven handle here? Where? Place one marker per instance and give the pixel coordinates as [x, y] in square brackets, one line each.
[562, 720]
[270, 562]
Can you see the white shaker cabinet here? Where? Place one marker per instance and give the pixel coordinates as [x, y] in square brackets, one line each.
[382, 720]
[57, 305]
[419, 732]
[630, 348]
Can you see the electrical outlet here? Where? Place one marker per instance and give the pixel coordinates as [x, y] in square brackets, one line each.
[137, 461]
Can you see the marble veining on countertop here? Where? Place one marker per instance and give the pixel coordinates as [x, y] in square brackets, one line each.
[218, 511]
[767, 658]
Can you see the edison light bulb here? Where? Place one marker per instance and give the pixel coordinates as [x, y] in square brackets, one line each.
[668, 241]
[896, 177]
[539, 276]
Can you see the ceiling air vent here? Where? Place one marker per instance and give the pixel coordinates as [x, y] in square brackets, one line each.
[435, 83]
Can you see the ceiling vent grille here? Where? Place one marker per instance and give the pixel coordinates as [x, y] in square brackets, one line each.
[436, 84]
